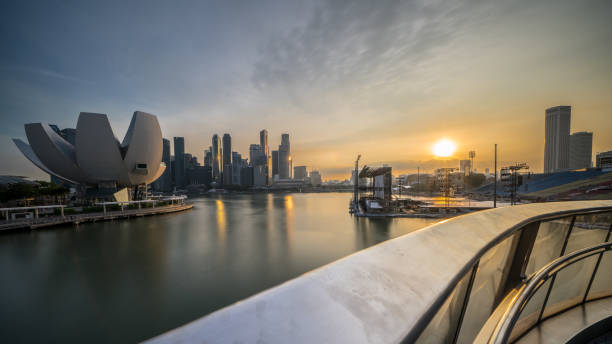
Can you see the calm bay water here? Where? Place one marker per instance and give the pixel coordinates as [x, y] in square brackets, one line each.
[128, 281]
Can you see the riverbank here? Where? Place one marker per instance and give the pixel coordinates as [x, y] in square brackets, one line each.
[48, 221]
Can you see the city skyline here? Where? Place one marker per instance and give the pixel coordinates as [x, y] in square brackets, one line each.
[383, 80]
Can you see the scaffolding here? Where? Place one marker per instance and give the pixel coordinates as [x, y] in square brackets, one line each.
[511, 179]
[446, 188]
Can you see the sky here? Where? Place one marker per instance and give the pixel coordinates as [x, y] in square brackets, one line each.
[384, 79]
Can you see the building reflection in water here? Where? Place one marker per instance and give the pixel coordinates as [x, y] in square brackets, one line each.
[371, 231]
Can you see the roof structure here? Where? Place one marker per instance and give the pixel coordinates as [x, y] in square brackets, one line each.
[369, 172]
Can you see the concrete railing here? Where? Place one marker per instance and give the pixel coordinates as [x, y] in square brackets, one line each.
[438, 284]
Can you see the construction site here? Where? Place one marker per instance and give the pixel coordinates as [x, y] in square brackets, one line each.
[378, 194]
[450, 191]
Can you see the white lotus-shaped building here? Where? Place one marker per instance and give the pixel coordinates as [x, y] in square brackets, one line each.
[97, 157]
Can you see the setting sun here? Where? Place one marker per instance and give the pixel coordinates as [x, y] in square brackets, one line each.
[444, 148]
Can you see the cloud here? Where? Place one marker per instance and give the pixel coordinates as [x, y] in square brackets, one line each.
[362, 50]
[53, 74]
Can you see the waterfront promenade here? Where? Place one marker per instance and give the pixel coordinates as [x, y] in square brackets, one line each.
[47, 221]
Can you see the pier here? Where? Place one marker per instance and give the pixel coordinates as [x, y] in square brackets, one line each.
[47, 221]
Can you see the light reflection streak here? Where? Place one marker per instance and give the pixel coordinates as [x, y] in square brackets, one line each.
[289, 215]
[221, 220]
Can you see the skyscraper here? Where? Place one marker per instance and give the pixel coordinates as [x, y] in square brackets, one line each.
[274, 163]
[581, 150]
[284, 158]
[216, 159]
[179, 161]
[556, 147]
[165, 183]
[263, 141]
[236, 167]
[227, 159]
[208, 157]
[256, 155]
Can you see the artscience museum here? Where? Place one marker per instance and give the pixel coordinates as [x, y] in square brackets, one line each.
[95, 158]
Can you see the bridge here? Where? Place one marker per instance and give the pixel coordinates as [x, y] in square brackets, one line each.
[534, 273]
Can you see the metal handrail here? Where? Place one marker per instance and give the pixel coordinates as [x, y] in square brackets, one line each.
[509, 318]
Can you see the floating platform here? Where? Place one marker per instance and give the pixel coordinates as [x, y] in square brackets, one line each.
[424, 211]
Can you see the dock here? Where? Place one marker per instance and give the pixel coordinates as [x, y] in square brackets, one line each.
[47, 221]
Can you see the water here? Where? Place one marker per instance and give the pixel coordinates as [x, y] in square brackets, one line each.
[128, 281]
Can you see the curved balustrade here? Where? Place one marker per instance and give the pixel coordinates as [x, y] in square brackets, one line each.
[543, 282]
[445, 283]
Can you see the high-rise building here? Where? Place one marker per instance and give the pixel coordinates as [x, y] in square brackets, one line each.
[236, 168]
[284, 158]
[274, 163]
[216, 159]
[198, 175]
[227, 159]
[604, 160]
[246, 175]
[556, 147]
[263, 141]
[164, 183]
[179, 161]
[259, 175]
[465, 166]
[188, 164]
[208, 157]
[299, 172]
[173, 170]
[581, 150]
[315, 178]
[256, 155]
[227, 174]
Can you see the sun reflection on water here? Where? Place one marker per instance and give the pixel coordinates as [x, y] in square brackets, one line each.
[221, 220]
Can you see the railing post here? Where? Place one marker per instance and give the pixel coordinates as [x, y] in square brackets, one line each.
[552, 281]
[466, 300]
[586, 293]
